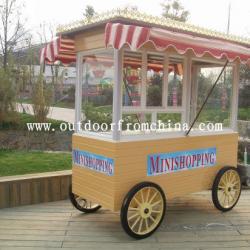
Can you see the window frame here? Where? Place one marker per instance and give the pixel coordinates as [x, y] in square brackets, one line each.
[119, 110]
[235, 90]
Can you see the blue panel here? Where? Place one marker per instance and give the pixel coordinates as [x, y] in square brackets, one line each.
[164, 163]
[92, 161]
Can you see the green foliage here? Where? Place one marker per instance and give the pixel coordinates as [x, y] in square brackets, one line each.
[154, 96]
[41, 99]
[244, 114]
[71, 94]
[8, 87]
[244, 92]
[89, 12]
[14, 162]
[173, 9]
[98, 114]
[172, 117]
[154, 93]
[20, 120]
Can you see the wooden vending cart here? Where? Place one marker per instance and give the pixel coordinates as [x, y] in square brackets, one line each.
[136, 71]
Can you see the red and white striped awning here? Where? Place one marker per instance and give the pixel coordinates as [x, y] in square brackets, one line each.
[60, 49]
[117, 35]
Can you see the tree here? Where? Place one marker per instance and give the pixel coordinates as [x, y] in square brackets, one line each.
[173, 9]
[89, 12]
[12, 32]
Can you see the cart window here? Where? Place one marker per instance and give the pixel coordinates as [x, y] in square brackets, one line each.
[218, 107]
[175, 78]
[136, 123]
[154, 79]
[97, 90]
[132, 80]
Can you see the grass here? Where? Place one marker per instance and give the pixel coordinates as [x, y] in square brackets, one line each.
[14, 162]
[18, 121]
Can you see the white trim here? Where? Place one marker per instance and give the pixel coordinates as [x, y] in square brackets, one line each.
[194, 93]
[117, 94]
[138, 109]
[143, 102]
[187, 82]
[184, 90]
[78, 91]
[165, 81]
[235, 96]
[210, 60]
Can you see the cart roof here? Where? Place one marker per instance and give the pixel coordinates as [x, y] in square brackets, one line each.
[135, 29]
[128, 16]
[117, 35]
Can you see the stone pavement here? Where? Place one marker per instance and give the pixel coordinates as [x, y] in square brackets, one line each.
[191, 222]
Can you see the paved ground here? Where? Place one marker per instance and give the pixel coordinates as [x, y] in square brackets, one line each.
[191, 223]
[63, 114]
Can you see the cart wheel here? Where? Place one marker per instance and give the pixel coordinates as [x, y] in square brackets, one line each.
[226, 189]
[82, 204]
[143, 210]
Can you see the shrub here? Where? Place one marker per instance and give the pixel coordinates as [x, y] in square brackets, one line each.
[41, 99]
[7, 95]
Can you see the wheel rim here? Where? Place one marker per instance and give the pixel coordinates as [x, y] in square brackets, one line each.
[229, 188]
[145, 210]
[83, 203]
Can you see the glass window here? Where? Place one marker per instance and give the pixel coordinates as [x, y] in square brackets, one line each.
[136, 123]
[169, 122]
[175, 79]
[154, 79]
[218, 107]
[97, 90]
[132, 80]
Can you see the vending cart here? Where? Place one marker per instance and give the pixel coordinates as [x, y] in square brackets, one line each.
[156, 115]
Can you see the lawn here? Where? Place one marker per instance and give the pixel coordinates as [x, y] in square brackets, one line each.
[19, 121]
[24, 162]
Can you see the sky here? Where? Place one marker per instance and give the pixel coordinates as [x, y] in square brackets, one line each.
[211, 14]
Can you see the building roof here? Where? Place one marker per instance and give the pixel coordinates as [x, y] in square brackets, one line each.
[129, 16]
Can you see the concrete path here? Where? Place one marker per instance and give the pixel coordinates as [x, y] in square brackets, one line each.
[191, 222]
[63, 114]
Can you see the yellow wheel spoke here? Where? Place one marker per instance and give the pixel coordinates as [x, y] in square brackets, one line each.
[152, 218]
[136, 221]
[221, 187]
[225, 198]
[142, 198]
[135, 199]
[156, 211]
[133, 216]
[134, 209]
[146, 223]
[152, 198]
[156, 203]
[140, 225]
[148, 193]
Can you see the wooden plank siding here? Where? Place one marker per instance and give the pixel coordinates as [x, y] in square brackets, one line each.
[34, 188]
[130, 167]
[88, 40]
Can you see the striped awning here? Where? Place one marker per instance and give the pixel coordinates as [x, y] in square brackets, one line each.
[60, 49]
[117, 35]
